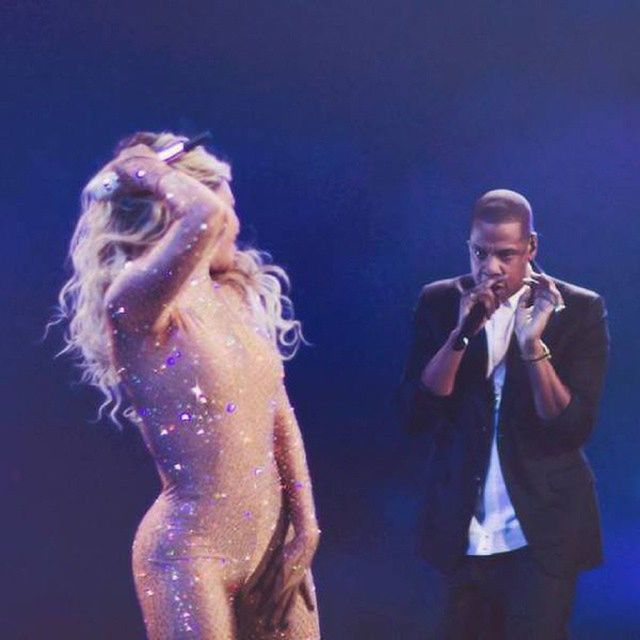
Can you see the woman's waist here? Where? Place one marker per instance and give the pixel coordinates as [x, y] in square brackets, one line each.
[187, 477]
[192, 524]
[210, 499]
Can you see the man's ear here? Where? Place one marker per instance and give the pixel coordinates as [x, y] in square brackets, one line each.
[533, 244]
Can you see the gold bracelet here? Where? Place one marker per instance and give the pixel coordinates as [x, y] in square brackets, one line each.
[545, 356]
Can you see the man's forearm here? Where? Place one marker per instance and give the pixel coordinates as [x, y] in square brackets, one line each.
[550, 395]
[439, 374]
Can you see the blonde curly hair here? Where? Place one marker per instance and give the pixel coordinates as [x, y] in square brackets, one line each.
[114, 229]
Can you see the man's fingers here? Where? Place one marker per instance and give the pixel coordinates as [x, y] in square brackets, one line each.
[488, 284]
[486, 287]
[525, 300]
[540, 281]
[544, 288]
[558, 300]
[490, 302]
[461, 290]
[549, 293]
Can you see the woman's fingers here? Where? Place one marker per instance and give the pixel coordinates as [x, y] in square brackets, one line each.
[283, 572]
[269, 590]
[281, 617]
[272, 591]
[306, 590]
[132, 156]
[275, 606]
[138, 150]
[283, 610]
[274, 560]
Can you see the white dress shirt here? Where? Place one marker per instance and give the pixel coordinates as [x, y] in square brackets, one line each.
[494, 527]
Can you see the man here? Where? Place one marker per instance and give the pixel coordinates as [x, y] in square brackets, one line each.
[511, 513]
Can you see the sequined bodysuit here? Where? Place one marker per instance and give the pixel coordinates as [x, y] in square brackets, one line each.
[208, 389]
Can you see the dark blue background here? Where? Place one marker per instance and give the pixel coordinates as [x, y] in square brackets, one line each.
[360, 133]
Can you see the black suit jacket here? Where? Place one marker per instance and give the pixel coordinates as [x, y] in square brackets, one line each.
[546, 472]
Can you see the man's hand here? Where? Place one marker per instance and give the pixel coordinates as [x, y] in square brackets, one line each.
[483, 293]
[533, 313]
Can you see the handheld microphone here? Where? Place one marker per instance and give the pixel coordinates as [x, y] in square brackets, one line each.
[469, 326]
[176, 150]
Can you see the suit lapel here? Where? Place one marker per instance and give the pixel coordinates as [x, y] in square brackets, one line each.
[551, 328]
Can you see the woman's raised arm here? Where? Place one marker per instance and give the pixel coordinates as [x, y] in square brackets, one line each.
[141, 292]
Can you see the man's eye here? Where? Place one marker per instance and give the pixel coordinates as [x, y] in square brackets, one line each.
[481, 254]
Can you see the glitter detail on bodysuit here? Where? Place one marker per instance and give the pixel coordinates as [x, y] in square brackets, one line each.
[210, 394]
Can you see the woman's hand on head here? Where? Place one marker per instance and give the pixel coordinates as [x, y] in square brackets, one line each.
[139, 168]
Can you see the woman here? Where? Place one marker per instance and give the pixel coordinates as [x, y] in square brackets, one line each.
[187, 334]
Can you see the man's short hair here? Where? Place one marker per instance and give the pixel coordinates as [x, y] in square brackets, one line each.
[503, 205]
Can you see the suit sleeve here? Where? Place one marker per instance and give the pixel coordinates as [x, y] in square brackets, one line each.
[583, 374]
[421, 410]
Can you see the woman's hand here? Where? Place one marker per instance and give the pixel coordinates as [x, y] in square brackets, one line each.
[138, 168]
[534, 311]
[286, 576]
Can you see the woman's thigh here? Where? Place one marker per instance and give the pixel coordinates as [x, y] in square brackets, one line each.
[185, 598]
[303, 624]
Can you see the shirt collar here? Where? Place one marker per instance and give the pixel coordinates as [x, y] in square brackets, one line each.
[512, 302]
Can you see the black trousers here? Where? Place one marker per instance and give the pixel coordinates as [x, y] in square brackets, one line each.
[506, 596]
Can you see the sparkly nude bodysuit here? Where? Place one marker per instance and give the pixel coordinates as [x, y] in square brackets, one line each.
[209, 394]
[207, 386]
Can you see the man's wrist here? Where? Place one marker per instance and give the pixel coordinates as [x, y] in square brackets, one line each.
[534, 350]
[456, 341]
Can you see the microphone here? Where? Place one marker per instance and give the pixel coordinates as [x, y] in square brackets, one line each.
[169, 154]
[469, 326]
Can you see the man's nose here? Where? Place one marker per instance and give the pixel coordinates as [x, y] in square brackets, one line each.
[492, 266]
